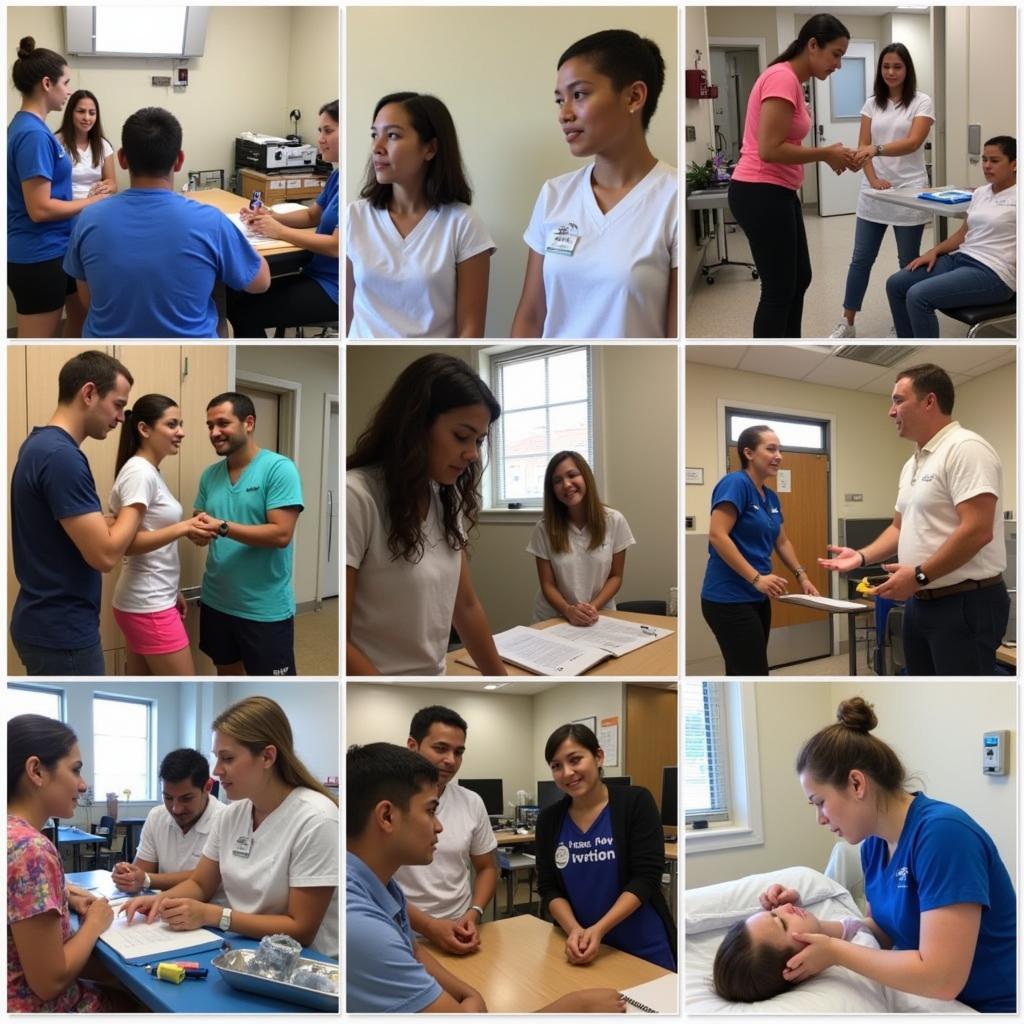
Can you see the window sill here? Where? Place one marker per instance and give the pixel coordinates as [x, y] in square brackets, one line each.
[511, 515]
[726, 836]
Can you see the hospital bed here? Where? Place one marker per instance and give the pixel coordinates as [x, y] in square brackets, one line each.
[712, 909]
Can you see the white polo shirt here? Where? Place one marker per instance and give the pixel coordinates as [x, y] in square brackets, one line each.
[405, 287]
[955, 465]
[162, 842]
[295, 847]
[615, 282]
[579, 572]
[992, 232]
[442, 888]
[402, 613]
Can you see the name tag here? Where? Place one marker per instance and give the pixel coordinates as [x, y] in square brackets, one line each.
[562, 241]
[243, 846]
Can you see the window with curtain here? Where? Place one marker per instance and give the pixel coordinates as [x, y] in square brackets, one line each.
[546, 398]
[34, 700]
[123, 746]
[706, 756]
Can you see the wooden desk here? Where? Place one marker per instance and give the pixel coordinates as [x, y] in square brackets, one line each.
[521, 966]
[660, 658]
[228, 203]
[512, 839]
[1007, 655]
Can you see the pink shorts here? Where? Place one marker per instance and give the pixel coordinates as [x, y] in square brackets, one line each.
[152, 632]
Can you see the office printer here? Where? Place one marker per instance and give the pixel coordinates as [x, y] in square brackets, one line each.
[272, 153]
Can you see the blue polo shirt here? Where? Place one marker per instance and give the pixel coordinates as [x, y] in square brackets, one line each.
[58, 604]
[944, 857]
[324, 269]
[242, 580]
[589, 864]
[151, 259]
[758, 522]
[382, 973]
[33, 151]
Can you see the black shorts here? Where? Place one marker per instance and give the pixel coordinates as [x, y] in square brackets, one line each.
[39, 287]
[264, 648]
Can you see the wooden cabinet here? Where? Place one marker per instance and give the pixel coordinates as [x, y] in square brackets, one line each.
[191, 374]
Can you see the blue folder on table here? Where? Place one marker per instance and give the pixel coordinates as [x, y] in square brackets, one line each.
[950, 196]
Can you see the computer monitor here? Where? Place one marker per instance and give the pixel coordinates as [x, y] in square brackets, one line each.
[669, 804]
[490, 791]
[618, 780]
[547, 793]
[859, 533]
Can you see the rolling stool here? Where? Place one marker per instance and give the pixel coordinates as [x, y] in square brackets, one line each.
[977, 317]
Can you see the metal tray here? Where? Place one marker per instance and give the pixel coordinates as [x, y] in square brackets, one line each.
[233, 969]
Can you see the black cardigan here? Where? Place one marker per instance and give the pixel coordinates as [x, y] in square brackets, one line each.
[639, 850]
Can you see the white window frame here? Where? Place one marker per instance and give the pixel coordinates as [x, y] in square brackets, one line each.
[151, 736]
[720, 752]
[55, 691]
[746, 825]
[493, 513]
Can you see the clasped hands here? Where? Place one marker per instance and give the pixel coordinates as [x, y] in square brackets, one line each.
[841, 158]
[202, 529]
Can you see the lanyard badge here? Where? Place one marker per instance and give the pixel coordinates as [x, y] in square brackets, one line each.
[243, 846]
[562, 241]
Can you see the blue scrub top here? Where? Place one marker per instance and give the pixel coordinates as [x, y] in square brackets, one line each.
[324, 269]
[944, 857]
[590, 870]
[758, 522]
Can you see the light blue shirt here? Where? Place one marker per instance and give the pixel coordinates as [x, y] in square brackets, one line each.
[242, 580]
[382, 972]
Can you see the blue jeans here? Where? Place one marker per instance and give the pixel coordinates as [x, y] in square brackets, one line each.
[867, 240]
[51, 661]
[914, 295]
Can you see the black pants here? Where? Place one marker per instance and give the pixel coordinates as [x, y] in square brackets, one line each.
[956, 635]
[773, 222]
[289, 302]
[741, 630]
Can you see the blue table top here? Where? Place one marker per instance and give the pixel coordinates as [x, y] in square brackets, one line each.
[76, 835]
[211, 994]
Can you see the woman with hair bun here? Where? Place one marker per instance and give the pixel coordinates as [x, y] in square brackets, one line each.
[746, 529]
[604, 240]
[39, 195]
[940, 900]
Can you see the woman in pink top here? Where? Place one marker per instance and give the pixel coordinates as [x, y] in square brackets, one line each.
[763, 192]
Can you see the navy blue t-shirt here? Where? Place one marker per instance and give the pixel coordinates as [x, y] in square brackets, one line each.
[944, 857]
[590, 870]
[58, 604]
[758, 522]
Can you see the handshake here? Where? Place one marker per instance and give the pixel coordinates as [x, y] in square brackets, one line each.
[841, 158]
[201, 529]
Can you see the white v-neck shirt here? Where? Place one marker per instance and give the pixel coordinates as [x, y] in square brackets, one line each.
[405, 287]
[615, 284]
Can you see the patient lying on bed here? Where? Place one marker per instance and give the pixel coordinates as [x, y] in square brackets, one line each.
[750, 964]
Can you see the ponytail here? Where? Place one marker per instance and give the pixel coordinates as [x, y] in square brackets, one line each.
[148, 409]
[822, 28]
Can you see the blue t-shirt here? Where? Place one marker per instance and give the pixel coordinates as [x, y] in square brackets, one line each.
[151, 258]
[758, 522]
[58, 604]
[324, 269]
[590, 871]
[382, 973]
[242, 580]
[943, 857]
[33, 151]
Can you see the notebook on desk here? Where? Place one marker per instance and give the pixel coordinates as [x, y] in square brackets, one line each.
[140, 942]
[658, 996]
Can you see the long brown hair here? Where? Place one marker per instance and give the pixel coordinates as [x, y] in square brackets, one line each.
[66, 131]
[259, 722]
[556, 514]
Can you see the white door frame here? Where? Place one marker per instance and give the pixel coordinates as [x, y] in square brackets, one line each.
[329, 400]
[290, 411]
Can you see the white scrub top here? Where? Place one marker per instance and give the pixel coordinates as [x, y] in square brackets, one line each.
[992, 232]
[402, 615]
[163, 843]
[615, 283]
[84, 173]
[405, 287]
[442, 888]
[893, 125]
[580, 573]
[296, 846]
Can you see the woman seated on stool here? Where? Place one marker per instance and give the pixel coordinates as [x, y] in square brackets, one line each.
[978, 264]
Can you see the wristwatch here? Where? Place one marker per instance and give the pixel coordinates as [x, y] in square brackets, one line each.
[222, 530]
[225, 920]
[147, 882]
[919, 575]
[879, 149]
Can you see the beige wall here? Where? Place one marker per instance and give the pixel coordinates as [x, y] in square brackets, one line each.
[935, 727]
[988, 405]
[293, 61]
[316, 369]
[494, 67]
[636, 401]
[570, 701]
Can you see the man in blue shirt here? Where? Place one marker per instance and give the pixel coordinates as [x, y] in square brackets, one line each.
[147, 260]
[60, 539]
[391, 820]
[251, 502]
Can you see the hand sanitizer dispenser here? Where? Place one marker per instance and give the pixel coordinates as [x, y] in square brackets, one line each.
[995, 753]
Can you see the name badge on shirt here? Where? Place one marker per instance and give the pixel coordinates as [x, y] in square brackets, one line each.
[562, 240]
[243, 846]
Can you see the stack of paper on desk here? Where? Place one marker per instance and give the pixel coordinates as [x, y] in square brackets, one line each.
[567, 650]
[823, 604]
[140, 942]
[658, 996]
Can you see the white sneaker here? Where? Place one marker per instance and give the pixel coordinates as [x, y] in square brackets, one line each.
[844, 329]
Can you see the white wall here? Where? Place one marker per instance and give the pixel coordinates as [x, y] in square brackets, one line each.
[494, 68]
